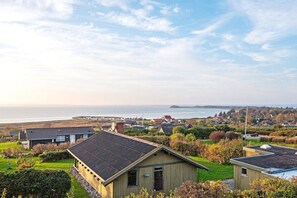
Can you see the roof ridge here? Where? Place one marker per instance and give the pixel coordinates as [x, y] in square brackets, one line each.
[60, 127]
[133, 138]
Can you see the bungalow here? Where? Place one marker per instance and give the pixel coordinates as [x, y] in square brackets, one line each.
[57, 135]
[166, 128]
[116, 165]
[264, 161]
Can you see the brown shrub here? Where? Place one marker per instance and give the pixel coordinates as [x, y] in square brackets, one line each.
[278, 139]
[232, 135]
[284, 133]
[216, 136]
[41, 148]
[14, 152]
[209, 189]
[265, 139]
[159, 139]
[292, 140]
[184, 147]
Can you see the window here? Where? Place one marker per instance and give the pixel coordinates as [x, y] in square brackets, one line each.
[60, 138]
[244, 171]
[132, 178]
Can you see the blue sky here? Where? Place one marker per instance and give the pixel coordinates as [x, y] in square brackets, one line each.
[106, 52]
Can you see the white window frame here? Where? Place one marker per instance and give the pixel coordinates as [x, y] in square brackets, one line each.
[60, 138]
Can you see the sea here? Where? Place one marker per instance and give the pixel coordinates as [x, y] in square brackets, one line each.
[16, 114]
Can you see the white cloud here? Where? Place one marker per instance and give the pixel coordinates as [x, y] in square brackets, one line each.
[271, 19]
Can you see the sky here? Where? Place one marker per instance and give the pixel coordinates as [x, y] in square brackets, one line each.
[134, 52]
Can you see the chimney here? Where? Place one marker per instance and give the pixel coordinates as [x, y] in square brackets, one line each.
[119, 127]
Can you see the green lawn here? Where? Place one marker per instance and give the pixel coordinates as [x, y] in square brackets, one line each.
[65, 165]
[6, 145]
[258, 143]
[216, 171]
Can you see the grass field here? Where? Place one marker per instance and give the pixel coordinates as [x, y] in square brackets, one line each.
[65, 165]
[216, 171]
[6, 145]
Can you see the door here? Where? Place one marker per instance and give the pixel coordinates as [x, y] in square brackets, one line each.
[158, 179]
[72, 139]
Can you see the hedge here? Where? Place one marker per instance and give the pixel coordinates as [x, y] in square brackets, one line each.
[35, 183]
[54, 156]
[162, 139]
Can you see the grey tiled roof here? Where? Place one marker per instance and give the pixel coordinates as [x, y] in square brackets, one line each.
[280, 158]
[52, 133]
[108, 153]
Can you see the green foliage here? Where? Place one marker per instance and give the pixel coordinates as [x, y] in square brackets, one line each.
[201, 132]
[54, 156]
[34, 183]
[223, 151]
[179, 129]
[190, 137]
[223, 127]
[164, 140]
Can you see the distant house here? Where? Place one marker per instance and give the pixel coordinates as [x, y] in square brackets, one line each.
[13, 133]
[116, 165]
[264, 161]
[168, 119]
[106, 127]
[57, 135]
[166, 128]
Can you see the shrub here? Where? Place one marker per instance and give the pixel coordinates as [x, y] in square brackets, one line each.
[177, 137]
[190, 137]
[231, 135]
[199, 147]
[164, 140]
[179, 129]
[14, 152]
[223, 151]
[275, 187]
[25, 162]
[292, 140]
[278, 139]
[53, 156]
[209, 189]
[184, 147]
[35, 183]
[216, 136]
[201, 132]
[265, 139]
[284, 133]
[41, 148]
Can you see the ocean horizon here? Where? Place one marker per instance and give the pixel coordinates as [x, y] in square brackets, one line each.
[27, 113]
[13, 114]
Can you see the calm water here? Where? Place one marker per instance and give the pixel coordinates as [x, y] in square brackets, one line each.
[27, 114]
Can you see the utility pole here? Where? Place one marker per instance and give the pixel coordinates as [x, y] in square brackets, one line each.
[246, 116]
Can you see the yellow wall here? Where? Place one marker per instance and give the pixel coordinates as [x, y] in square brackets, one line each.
[243, 182]
[175, 172]
[105, 191]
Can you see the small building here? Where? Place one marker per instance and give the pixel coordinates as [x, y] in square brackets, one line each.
[116, 165]
[264, 161]
[57, 135]
[166, 128]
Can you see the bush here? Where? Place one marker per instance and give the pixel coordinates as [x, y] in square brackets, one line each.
[292, 140]
[216, 136]
[164, 140]
[278, 139]
[265, 139]
[230, 135]
[41, 148]
[53, 156]
[201, 132]
[14, 152]
[284, 133]
[223, 151]
[209, 189]
[25, 162]
[190, 137]
[179, 129]
[177, 137]
[35, 183]
[184, 147]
